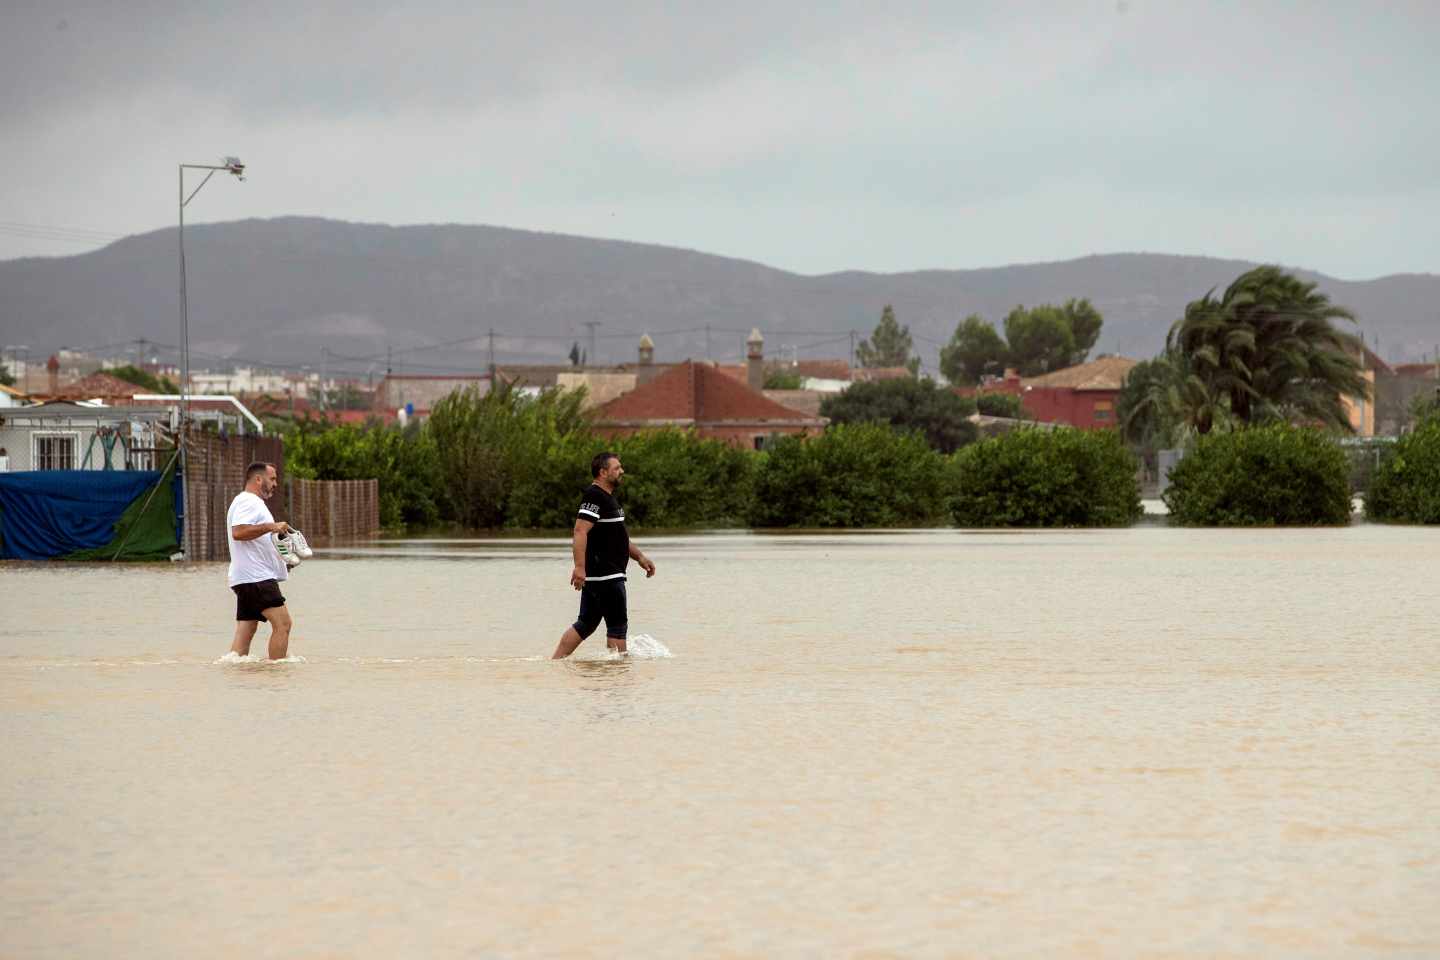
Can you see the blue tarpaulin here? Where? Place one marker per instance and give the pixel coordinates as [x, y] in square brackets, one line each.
[48, 514]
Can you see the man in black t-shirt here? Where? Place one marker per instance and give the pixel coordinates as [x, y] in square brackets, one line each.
[602, 549]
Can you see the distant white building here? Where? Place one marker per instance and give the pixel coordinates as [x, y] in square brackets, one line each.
[252, 380]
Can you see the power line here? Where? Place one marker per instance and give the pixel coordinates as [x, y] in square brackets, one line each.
[38, 231]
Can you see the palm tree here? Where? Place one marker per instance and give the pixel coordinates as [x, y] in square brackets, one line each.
[1163, 401]
[1267, 345]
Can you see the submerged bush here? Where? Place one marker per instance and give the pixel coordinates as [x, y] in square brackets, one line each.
[856, 475]
[402, 460]
[675, 478]
[489, 446]
[1276, 475]
[1405, 488]
[1037, 478]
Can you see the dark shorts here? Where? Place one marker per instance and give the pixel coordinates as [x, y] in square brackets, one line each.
[603, 598]
[251, 599]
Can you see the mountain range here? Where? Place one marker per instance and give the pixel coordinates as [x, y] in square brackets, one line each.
[357, 297]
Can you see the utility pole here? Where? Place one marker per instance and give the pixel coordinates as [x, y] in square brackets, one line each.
[852, 349]
[492, 356]
[324, 355]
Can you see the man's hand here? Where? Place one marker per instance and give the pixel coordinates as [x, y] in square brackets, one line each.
[577, 577]
[281, 527]
[648, 566]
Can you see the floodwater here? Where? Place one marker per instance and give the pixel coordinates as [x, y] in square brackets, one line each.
[1134, 743]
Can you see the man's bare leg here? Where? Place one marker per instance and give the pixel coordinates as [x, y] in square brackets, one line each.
[244, 633]
[569, 640]
[279, 619]
[616, 643]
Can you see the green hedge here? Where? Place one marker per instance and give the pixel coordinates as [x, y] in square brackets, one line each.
[852, 475]
[1276, 475]
[1405, 488]
[1038, 478]
[402, 460]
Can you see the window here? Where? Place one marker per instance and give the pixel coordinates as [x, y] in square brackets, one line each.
[53, 451]
[1104, 409]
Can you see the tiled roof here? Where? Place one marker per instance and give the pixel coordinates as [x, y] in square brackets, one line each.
[735, 371]
[1105, 373]
[695, 392]
[1417, 370]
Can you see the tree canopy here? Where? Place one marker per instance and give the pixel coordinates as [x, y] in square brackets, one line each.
[1037, 340]
[922, 406]
[974, 349]
[889, 345]
[1268, 348]
[1162, 402]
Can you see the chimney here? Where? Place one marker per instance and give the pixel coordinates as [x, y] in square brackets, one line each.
[755, 360]
[53, 365]
[647, 350]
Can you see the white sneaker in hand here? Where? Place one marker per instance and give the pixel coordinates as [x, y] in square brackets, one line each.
[302, 549]
[285, 546]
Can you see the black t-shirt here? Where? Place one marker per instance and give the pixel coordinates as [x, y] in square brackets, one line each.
[607, 551]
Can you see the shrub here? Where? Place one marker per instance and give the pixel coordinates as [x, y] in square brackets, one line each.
[861, 475]
[1405, 488]
[674, 478]
[402, 460]
[1038, 478]
[1001, 405]
[1276, 475]
[489, 445]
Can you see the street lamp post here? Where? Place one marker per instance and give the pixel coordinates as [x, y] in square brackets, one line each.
[233, 166]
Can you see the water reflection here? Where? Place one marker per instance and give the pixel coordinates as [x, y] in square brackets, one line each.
[607, 688]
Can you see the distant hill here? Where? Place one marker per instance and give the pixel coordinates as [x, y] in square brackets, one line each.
[277, 291]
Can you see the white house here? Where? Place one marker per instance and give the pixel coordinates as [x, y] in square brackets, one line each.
[72, 436]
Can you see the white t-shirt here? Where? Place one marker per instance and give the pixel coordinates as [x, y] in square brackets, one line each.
[252, 561]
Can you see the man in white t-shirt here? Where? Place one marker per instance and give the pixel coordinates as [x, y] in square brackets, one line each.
[255, 565]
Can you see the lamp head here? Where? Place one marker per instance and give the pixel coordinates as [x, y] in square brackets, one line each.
[234, 166]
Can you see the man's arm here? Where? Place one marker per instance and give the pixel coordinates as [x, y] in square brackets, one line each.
[253, 531]
[577, 549]
[641, 559]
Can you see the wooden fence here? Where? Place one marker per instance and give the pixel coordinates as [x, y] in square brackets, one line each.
[215, 474]
[334, 509]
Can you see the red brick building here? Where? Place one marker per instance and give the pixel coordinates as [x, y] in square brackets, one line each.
[1081, 396]
[697, 395]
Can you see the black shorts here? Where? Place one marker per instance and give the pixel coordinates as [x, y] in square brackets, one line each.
[603, 598]
[251, 599]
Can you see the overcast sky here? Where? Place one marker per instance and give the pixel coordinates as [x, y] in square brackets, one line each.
[814, 138]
